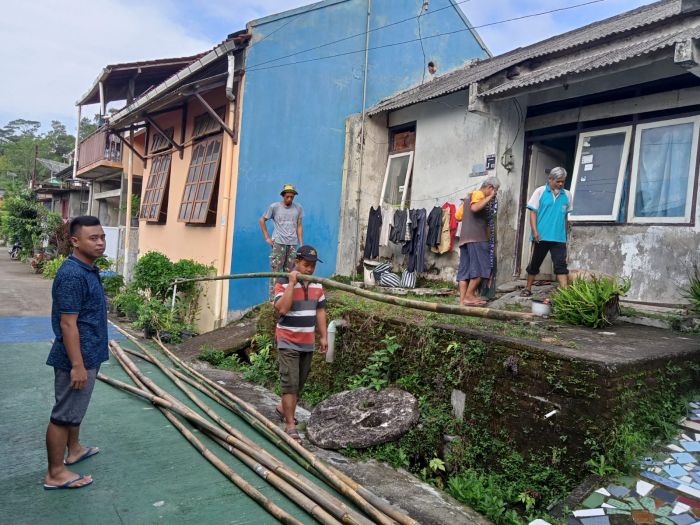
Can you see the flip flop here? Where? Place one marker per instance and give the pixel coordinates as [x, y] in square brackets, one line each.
[475, 303]
[91, 451]
[68, 484]
[280, 416]
[292, 433]
[525, 293]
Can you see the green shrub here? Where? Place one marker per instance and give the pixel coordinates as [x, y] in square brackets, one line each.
[589, 302]
[486, 494]
[112, 284]
[212, 356]
[263, 368]
[376, 374]
[50, 267]
[692, 291]
[128, 302]
[154, 272]
[103, 263]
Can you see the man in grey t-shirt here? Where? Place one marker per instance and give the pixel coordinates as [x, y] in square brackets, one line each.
[287, 232]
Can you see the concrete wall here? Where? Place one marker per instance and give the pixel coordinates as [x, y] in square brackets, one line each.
[179, 240]
[449, 142]
[293, 121]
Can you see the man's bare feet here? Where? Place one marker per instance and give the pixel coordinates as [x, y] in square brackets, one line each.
[65, 476]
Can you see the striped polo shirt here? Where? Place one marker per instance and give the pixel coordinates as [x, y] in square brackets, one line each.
[296, 330]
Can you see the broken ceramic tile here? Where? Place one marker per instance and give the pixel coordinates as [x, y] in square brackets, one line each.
[683, 519]
[680, 508]
[618, 491]
[642, 517]
[619, 504]
[660, 480]
[603, 492]
[593, 501]
[601, 520]
[669, 461]
[585, 513]
[611, 512]
[690, 491]
[663, 495]
[675, 448]
[643, 488]
[686, 479]
[648, 503]
[683, 457]
[572, 521]
[675, 471]
[663, 511]
[607, 506]
[691, 446]
[664, 521]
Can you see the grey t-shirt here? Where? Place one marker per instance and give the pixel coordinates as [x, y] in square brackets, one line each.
[285, 221]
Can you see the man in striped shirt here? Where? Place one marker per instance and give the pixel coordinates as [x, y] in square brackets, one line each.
[302, 309]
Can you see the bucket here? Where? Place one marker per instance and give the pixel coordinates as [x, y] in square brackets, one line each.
[368, 267]
[541, 308]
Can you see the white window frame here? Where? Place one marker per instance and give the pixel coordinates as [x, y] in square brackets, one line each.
[692, 175]
[627, 130]
[407, 179]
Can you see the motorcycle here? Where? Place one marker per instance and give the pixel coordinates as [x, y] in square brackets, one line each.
[15, 250]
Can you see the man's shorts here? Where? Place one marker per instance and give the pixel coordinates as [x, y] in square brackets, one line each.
[294, 369]
[71, 404]
[557, 250]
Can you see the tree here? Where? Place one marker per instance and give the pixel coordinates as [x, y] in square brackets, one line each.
[88, 127]
[59, 142]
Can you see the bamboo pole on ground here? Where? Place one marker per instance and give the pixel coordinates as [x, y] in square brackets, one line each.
[378, 510]
[472, 311]
[165, 407]
[247, 447]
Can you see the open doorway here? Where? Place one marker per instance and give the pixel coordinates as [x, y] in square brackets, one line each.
[545, 154]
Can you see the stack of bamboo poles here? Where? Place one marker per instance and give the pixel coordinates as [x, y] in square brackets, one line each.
[323, 506]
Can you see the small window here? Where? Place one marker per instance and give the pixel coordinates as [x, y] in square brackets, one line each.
[198, 204]
[205, 124]
[599, 172]
[397, 179]
[663, 171]
[155, 200]
[160, 143]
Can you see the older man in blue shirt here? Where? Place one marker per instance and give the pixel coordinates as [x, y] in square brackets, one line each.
[79, 322]
[549, 207]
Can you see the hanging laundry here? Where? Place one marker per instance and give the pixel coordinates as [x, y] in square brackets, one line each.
[453, 222]
[434, 227]
[397, 234]
[387, 222]
[374, 225]
[445, 235]
[415, 247]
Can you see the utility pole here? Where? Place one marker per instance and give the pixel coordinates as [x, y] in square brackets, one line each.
[36, 154]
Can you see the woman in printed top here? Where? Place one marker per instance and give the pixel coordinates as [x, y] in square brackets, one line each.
[302, 309]
[474, 258]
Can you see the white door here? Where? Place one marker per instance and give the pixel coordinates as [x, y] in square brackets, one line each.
[541, 158]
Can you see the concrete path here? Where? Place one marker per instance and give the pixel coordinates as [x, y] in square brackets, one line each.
[145, 473]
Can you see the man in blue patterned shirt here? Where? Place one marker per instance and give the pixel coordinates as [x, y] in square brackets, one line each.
[79, 322]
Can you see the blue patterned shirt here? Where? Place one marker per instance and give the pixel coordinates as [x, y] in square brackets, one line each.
[77, 289]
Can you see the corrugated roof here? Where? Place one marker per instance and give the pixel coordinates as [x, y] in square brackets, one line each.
[598, 58]
[460, 79]
[115, 77]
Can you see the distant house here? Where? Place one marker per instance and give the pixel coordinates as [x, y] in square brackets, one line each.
[259, 110]
[62, 194]
[617, 103]
[111, 161]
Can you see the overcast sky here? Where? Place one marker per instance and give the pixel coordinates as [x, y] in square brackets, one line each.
[51, 51]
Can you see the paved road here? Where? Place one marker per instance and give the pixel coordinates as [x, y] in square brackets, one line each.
[22, 293]
[145, 473]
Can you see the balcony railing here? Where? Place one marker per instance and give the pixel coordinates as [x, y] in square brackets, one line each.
[99, 149]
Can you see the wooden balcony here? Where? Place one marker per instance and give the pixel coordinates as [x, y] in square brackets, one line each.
[99, 156]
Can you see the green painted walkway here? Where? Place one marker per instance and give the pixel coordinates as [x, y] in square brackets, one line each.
[146, 471]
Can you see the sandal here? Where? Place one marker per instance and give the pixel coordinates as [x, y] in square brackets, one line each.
[280, 416]
[292, 433]
[525, 293]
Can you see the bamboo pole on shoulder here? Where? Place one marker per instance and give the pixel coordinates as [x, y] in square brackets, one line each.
[378, 511]
[166, 407]
[471, 311]
[244, 446]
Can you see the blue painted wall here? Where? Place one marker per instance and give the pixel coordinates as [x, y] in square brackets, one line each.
[294, 110]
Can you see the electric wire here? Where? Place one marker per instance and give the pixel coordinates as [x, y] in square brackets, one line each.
[261, 67]
[390, 24]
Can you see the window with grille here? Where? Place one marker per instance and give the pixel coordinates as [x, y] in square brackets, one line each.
[160, 143]
[155, 200]
[198, 200]
[205, 124]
